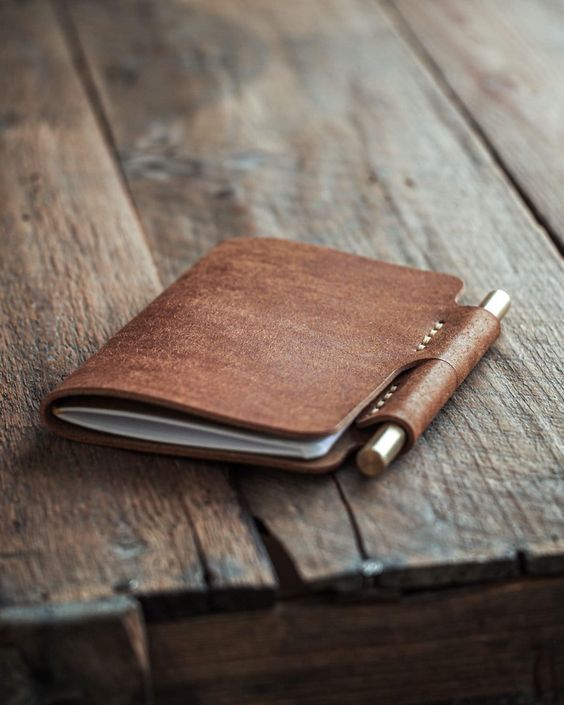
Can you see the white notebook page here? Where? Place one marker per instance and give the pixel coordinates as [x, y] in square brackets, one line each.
[198, 434]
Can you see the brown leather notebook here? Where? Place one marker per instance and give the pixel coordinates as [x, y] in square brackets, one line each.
[276, 353]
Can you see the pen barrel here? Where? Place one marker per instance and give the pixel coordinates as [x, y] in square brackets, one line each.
[421, 393]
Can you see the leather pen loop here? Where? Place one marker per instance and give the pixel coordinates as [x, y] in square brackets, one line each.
[390, 438]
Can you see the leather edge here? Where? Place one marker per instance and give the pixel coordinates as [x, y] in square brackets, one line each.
[352, 439]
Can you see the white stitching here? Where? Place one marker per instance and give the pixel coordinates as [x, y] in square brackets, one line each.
[430, 335]
[380, 403]
[427, 338]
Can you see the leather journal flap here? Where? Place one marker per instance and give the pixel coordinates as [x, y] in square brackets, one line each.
[451, 349]
[272, 335]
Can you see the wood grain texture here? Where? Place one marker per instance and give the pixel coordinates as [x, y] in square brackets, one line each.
[504, 60]
[314, 121]
[85, 653]
[497, 644]
[310, 522]
[79, 522]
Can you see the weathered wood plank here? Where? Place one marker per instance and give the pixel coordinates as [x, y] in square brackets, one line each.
[314, 121]
[80, 522]
[168, 95]
[504, 60]
[307, 520]
[88, 653]
[497, 644]
[486, 488]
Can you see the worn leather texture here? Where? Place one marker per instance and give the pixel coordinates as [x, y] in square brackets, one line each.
[291, 339]
[414, 399]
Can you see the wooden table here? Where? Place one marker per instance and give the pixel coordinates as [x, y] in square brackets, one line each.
[135, 135]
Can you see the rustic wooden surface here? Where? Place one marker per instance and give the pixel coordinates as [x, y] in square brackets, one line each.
[451, 646]
[312, 141]
[81, 522]
[58, 654]
[503, 62]
[136, 135]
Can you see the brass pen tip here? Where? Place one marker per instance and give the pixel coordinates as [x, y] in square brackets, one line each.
[369, 462]
[376, 455]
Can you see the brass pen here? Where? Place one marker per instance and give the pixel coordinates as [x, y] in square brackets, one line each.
[388, 441]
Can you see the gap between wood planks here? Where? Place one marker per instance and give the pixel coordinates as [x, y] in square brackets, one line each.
[78, 58]
[436, 74]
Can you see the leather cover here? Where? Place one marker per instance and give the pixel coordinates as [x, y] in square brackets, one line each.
[291, 339]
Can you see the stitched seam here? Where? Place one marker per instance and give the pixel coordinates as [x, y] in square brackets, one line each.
[380, 403]
[428, 337]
